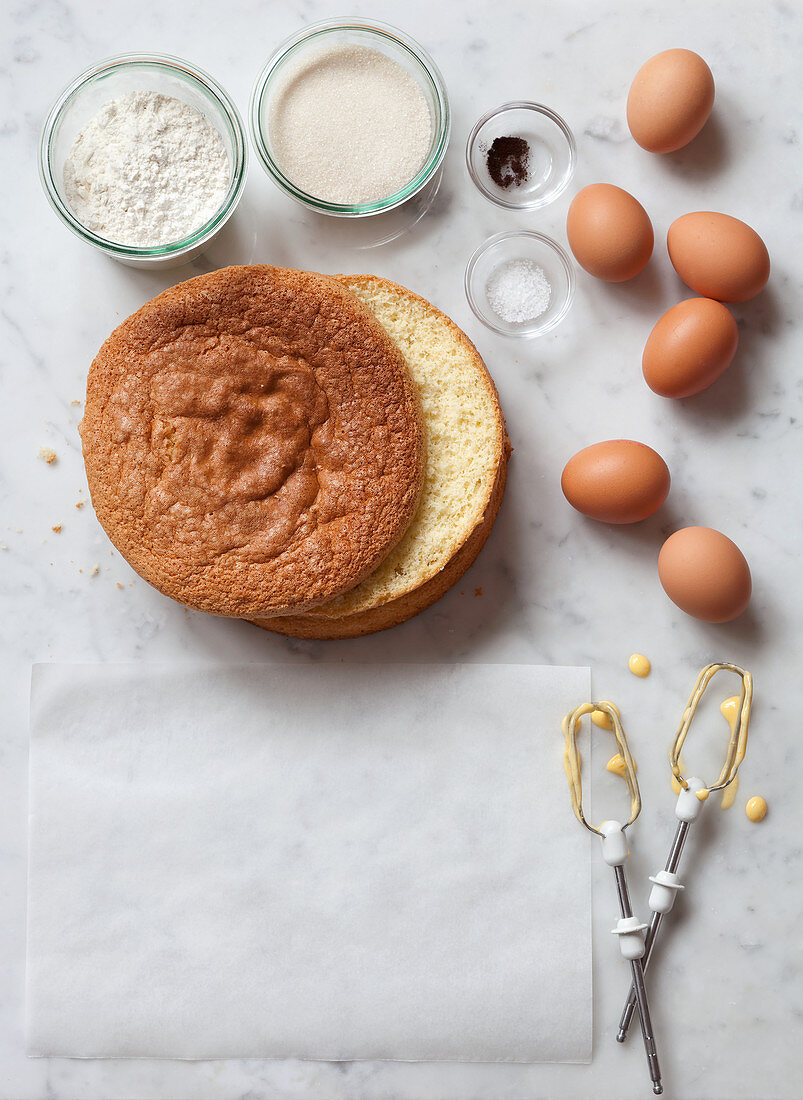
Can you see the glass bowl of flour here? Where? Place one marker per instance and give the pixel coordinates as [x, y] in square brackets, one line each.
[144, 157]
[350, 119]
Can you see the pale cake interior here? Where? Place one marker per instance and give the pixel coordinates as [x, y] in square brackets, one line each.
[465, 441]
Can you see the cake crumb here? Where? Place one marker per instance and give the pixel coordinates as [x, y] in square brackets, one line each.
[477, 591]
[75, 401]
[93, 572]
[119, 585]
[57, 528]
[80, 504]
[48, 455]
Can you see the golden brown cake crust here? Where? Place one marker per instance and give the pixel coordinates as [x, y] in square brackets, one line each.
[324, 622]
[412, 603]
[253, 441]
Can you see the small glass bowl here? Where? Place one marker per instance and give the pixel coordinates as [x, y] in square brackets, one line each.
[91, 90]
[377, 36]
[520, 245]
[553, 154]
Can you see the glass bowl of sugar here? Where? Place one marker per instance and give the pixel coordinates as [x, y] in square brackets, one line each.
[520, 283]
[350, 119]
[144, 156]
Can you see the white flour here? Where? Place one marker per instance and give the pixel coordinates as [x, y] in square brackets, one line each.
[349, 125]
[146, 171]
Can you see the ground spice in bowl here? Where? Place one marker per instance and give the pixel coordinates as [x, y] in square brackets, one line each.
[508, 160]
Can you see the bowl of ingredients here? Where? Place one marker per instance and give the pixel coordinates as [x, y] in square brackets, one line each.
[144, 156]
[350, 118]
[521, 155]
[520, 283]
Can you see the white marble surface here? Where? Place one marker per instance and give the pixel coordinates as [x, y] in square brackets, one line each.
[555, 588]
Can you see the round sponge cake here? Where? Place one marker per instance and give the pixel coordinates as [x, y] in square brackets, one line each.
[253, 441]
[467, 453]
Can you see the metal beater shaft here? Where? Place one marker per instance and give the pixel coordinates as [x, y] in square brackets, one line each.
[655, 923]
[639, 989]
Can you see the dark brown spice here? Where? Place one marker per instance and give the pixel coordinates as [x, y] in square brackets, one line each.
[508, 161]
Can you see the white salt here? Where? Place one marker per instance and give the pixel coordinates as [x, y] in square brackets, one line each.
[518, 291]
[349, 125]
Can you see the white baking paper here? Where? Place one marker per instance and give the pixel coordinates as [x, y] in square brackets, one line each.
[317, 861]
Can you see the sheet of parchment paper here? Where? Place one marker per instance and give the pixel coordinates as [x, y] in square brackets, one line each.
[314, 861]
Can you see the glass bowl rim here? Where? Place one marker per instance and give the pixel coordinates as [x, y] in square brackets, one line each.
[215, 92]
[530, 234]
[536, 108]
[442, 123]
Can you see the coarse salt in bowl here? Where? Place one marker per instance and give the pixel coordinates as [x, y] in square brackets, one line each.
[295, 52]
[520, 283]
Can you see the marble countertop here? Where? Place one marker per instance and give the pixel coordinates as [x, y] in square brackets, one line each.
[550, 587]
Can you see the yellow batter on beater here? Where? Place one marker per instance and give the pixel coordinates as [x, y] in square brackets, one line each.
[601, 719]
[730, 712]
[571, 759]
[616, 765]
[737, 745]
[676, 770]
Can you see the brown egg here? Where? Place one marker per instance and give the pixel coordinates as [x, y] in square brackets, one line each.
[718, 256]
[689, 348]
[705, 574]
[670, 100]
[618, 481]
[609, 232]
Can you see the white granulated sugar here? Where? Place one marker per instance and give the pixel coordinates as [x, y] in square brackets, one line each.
[146, 171]
[349, 125]
[518, 291]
